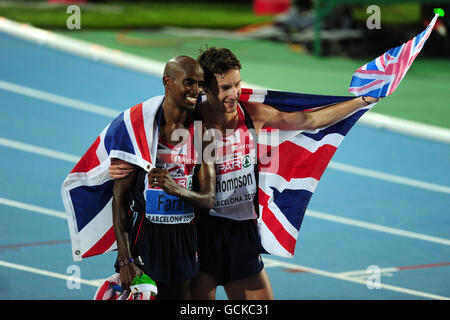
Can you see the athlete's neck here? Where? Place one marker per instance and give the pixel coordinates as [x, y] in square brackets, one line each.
[173, 114]
[217, 119]
[172, 119]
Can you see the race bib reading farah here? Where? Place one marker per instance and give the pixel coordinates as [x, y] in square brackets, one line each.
[161, 207]
[164, 208]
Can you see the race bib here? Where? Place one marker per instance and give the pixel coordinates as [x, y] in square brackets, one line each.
[235, 175]
[161, 207]
[235, 182]
[164, 208]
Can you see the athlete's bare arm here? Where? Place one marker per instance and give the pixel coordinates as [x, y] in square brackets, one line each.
[203, 198]
[120, 170]
[121, 224]
[266, 116]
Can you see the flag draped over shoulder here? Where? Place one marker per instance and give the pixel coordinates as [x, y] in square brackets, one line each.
[380, 77]
[87, 190]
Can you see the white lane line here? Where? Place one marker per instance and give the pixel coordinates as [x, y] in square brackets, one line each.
[38, 150]
[33, 208]
[61, 100]
[375, 227]
[333, 165]
[6, 264]
[395, 269]
[310, 213]
[273, 262]
[363, 273]
[388, 177]
[277, 263]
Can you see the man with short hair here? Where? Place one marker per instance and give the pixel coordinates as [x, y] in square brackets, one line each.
[227, 235]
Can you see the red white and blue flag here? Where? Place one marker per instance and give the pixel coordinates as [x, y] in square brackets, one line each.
[380, 77]
[286, 187]
[290, 165]
[87, 190]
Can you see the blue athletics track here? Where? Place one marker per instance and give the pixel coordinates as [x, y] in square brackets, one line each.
[377, 225]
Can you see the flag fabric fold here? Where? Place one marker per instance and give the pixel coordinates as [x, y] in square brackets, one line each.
[290, 165]
[380, 77]
[87, 190]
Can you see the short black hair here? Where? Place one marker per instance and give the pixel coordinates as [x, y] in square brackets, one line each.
[217, 61]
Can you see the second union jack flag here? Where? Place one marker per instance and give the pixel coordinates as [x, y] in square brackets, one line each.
[380, 77]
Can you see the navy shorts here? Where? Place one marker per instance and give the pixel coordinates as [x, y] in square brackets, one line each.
[168, 251]
[228, 249]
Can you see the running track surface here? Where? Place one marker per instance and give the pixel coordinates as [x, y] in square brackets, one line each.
[382, 202]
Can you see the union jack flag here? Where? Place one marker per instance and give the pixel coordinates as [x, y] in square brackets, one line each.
[87, 191]
[290, 165]
[380, 77]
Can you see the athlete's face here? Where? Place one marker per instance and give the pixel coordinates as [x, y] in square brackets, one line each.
[225, 91]
[186, 85]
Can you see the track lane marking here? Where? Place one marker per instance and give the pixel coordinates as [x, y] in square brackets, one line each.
[276, 263]
[51, 274]
[58, 99]
[332, 165]
[96, 283]
[310, 213]
[376, 227]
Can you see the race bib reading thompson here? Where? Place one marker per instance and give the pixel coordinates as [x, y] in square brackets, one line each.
[164, 208]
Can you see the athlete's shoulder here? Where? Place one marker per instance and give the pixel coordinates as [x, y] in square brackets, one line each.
[153, 102]
[257, 111]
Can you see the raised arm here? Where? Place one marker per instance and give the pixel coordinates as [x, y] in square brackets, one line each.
[266, 116]
[122, 224]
